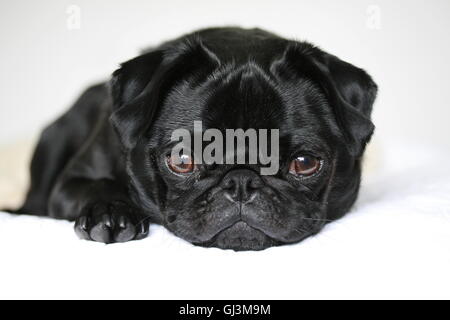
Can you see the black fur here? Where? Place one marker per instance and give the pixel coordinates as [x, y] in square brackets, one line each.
[102, 164]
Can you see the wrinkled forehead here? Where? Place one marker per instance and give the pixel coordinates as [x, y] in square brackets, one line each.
[243, 98]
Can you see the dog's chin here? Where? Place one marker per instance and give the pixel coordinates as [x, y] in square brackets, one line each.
[241, 237]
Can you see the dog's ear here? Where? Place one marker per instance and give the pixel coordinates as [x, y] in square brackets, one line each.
[132, 77]
[350, 90]
[140, 85]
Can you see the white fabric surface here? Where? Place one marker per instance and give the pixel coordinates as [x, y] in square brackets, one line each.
[394, 244]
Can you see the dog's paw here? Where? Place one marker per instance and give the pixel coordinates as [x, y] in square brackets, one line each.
[111, 222]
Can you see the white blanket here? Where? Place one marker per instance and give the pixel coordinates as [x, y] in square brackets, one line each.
[394, 244]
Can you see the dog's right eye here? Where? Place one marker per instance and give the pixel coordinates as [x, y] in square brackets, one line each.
[183, 164]
[305, 166]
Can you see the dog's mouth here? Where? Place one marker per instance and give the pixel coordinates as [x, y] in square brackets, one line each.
[240, 237]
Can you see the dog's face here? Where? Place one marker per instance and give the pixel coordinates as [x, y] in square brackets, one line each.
[319, 104]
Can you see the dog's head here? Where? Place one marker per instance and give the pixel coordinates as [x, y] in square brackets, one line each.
[320, 104]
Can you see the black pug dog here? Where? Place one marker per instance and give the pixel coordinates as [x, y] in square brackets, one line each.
[105, 163]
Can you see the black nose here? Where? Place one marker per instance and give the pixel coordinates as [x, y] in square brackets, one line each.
[241, 185]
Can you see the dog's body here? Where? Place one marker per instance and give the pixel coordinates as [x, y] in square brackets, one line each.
[103, 164]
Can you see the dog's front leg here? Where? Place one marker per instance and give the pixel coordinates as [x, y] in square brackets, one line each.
[101, 209]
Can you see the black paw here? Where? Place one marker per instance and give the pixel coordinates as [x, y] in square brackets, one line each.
[111, 222]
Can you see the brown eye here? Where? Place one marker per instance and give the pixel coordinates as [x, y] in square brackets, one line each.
[304, 166]
[186, 166]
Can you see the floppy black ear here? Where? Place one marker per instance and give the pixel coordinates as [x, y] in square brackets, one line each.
[140, 85]
[350, 90]
[132, 77]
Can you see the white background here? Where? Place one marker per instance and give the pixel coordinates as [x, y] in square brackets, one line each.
[394, 244]
[44, 65]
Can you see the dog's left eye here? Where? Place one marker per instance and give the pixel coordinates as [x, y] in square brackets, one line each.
[183, 165]
[305, 166]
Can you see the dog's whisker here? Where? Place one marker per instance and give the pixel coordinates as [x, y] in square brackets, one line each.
[318, 219]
